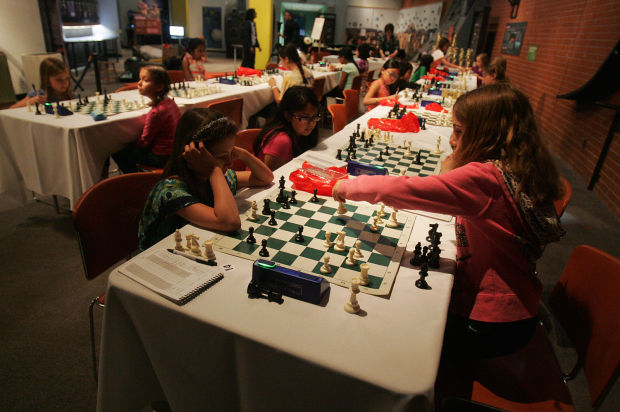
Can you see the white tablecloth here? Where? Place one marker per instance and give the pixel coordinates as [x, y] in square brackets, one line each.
[223, 351]
[65, 156]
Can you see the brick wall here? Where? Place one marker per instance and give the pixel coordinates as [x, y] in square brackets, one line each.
[573, 39]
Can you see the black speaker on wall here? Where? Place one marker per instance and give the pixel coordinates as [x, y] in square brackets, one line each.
[233, 23]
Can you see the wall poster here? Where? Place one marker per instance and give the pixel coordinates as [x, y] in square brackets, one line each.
[513, 38]
[212, 29]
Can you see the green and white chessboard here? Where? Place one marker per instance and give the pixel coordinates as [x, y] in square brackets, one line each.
[113, 107]
[397, 160]
[195, 92]
[382, 250]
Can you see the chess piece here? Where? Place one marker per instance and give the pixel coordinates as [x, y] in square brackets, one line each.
[353, 155]
[364, 279]
[36, 105]
[433, 257]
[272, 221]
[342, 209]
[300, 237]
[421, 282]
[438, 151]
[358, 252]
[432, 231]
[282, 182]
[194, 247]
[253, 216]
[55, 108]
[352, 306]
[208, 245]
[251, 238]
[392, 222]
[263, 251]
[266, 207]
[293, 201]
[381, 211]
[386, 151]
[328, 243]
[416, 260]
[314, 198]
[374, 227]
[408, 152]
[285, 203]
[339, 154]
[380, 158]
[351, 259]
[418, 156]
[188, 239]
[178, 240]
[28, 106]
[340, 242]
[326, 268]
[402, 171]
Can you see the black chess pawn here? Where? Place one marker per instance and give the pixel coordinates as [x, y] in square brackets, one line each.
[371, 141]
[423, 127]
[293, 201]
[433, 258]
[358, 129]
[314, 198]
[263, 251]
[348, 155]
[272, 221]
[251, 238]
[339, 154]
[421, 282]
[416, 260]
[280, 197]
[367, 144]
[353, 155]
[386, 151]
[424, 257]
[282, 182]
[36, 105]
[266, 207]
[380, 157]
[285, 203]
[418, 159]
[363, 137]
[300, 237]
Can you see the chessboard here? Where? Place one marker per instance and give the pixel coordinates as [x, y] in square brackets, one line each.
[111, 108]
[381, 250]
[397, 161]
[187, 92]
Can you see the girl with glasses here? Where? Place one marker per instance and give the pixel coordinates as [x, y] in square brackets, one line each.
[292, 130]
[379, 89]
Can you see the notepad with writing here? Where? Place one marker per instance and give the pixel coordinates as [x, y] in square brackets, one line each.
[174, 277]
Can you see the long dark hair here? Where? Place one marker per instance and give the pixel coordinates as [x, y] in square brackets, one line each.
[364, 51]
[425, 61]
[250, 14]
[160, 77]
[194, 43]
[196, 125]
[290, 50]
[347, 53]
[295, 98]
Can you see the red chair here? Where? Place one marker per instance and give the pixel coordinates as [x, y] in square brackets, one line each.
[106, 220]
[127, 86]
[561, 203]
[245, 139]
[339, 116]
[351, 103]
[357, 82]
[176, 76]
[232, 108]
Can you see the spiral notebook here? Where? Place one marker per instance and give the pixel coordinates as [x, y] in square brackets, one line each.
[174, 277]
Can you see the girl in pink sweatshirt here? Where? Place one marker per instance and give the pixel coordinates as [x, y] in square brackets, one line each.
[500, 183]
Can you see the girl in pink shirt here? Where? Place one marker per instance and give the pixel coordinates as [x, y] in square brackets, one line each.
[292, 130]
[379, 89]
[154, 145]
[500, 183]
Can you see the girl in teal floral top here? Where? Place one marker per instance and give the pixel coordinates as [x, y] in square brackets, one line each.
[198, 185]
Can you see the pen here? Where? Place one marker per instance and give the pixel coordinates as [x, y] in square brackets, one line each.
[192, 257]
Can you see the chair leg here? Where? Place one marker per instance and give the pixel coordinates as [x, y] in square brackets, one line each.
[92, 336]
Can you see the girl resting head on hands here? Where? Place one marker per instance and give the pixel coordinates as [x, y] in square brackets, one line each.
[198, 185]
[55, 84]
[500, 183]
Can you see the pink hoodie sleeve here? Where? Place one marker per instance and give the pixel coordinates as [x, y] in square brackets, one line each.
[150, 128]
[467, 191]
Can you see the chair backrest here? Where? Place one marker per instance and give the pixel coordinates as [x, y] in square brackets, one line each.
[106, 219]
[370, 75]
[231, 108]
[585, 301]
[339, 116]
[272, 65]
[127, 86]
[176, 76]
[561, 203]
[357, 81]
[351, 103]
[317, 88]
[245, 139]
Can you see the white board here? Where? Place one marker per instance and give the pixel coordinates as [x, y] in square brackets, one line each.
[317, 29]
[370, 18]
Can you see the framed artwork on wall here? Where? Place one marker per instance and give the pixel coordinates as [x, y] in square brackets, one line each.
[513, 38]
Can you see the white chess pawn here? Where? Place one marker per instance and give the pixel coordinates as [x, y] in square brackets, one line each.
[392, 222]
[342, 209]
[328, 243]
[195, 247]
[402, 172]
[70, 105]
[28, 105]
[178, 240]
[364, 280]
[381, 212]
[438, 151]
[352, 306]
[358, 252]
[340, 242]
[55, 111]
[374, 227]
[208, 245]
[351, 260]
[408, 153]
[188, 238]
[98, 97]
[326, 268]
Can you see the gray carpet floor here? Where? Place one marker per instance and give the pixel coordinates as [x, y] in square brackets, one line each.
[45, 359]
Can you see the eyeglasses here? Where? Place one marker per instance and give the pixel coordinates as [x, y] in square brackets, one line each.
[393, 75]
[307, 119]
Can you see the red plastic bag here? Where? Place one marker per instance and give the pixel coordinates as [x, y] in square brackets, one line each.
[406, 124]
[246, 71]
[310, 177]
[435, 107]
[390, 103]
